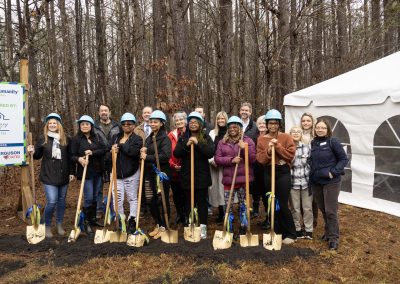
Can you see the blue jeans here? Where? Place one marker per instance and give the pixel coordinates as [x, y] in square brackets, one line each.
[93, 185]
[55, 196]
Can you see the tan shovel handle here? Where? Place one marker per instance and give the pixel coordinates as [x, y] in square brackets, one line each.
[192, 183]
[161, 183]
[32, 173]
[273, 189]
[78, 207]
[246, 170]
[108, 202]
[114, 181]
[228, 207]
[140, 192]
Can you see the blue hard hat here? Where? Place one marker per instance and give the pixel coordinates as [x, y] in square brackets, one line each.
[86, 118]
[53, 115]
[195, 114]
[158, 114]
[273, 114]
[128, 117]
[235, 119]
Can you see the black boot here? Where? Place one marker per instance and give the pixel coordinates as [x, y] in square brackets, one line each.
[92, 216]
[221, 214]
[86, 222]
[131, 225]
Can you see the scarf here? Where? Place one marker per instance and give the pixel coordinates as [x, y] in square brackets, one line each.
[56, 149]
[220, 136]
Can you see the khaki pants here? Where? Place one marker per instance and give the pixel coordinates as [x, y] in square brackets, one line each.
[302, 201]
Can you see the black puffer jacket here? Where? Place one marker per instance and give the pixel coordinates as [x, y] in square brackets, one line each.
[53, 171]
[164, 153]
[79, 145]
[252, 131]
[202, 152]
[128, 155]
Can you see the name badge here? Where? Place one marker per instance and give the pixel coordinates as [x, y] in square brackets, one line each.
[322, 144]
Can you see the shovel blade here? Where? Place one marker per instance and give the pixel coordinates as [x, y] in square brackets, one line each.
[118, 237]
[192, 234]
[135, 240]
[222, 240]
[249, 240]
[272, 241]
[102, 236]
[169, 236]
[35, 234]
[73, 236]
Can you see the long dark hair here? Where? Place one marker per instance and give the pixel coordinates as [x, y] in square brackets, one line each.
[92, 133]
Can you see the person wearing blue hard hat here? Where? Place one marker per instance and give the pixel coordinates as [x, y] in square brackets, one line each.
[87, 142]
[105, 127]
[153, 175]
[127, 144]
[227, 156]
[56, 171]
[285, 150]
[203, 150]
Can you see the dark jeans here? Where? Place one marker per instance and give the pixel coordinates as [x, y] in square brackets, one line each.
[327, 199]
[155, 201]
[283, 217]
[200, 202]
[93, 185]
[179, 199]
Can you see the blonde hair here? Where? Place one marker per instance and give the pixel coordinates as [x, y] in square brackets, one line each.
[225, 116]
[63, 138]
[260, 119]
[312, 120]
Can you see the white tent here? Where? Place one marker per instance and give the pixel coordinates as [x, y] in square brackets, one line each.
[365, 102]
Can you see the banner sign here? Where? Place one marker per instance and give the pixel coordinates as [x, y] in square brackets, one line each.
[12, 124]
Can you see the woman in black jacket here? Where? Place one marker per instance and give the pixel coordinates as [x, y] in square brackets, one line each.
[86, 142]
[157, 125]
[53, 147]
[203, 150]
[127, 144]
[327, 161]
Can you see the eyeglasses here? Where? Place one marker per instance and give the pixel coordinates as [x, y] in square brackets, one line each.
[273, 123]
[295, 132]
[321, 128]
[126, 124]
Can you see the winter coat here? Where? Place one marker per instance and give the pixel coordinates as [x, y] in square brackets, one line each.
[79, 145]
[173, 161]
[285, 150]
[53, 171]
[251, 131]
[202, 152]
[128, 155]
[327, 155]
[164, 153]
[301, 169]
[224, 155]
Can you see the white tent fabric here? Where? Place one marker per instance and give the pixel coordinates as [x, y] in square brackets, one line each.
[362, 100]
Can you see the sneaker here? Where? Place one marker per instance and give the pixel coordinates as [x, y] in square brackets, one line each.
[203, 231]
[48, 232]
[308, 236]
[288, 241]
[160, 231]
[300, 234]
[154, 232]
[60, 229]
[210, 211]
[333, 246]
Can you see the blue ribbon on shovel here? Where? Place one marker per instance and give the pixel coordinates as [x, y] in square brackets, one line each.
[141, 232]
[81, 221]
[243, 215]
[229, 226]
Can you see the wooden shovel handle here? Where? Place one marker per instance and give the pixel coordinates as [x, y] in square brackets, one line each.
[273, 189]
[246, 169]
[192, 182]
[32, 168]
[78, 207]
[140, 193]
[114, 181]
[161, 183]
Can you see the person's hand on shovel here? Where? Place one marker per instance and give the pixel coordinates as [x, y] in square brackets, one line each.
[241, 144]
[236, 160]
[192, 140]
[143, 153]
[115, 148]
[30, 149]
[271, 143]
[83, 161]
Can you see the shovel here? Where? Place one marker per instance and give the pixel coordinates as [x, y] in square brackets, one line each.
[168, 236]
[248, 240]
[36, 232]
[192, 233]
[272, 241]
[73, 236]
[119, 236]
[138, 238]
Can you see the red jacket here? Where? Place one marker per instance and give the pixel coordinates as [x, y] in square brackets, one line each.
[173, 161]
[224, 155]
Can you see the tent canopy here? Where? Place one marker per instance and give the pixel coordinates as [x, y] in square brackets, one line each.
[368, 85]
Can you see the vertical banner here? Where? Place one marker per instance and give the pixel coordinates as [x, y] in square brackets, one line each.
[12, 124]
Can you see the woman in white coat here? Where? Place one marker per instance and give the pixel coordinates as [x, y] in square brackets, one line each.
[216, 191]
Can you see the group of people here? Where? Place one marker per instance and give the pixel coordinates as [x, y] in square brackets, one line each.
[308, 162]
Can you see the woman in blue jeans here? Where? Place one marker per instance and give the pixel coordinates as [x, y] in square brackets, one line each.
[86, 142]
[53, 147]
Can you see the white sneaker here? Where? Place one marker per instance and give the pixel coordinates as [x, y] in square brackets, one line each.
[288, 241]
[161, 230]
[203, 231]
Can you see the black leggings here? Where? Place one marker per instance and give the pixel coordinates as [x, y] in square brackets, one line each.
[179, 198]
[155, 201]
[200, 201]
[283, 217]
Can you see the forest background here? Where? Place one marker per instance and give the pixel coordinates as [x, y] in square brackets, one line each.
[177, 54]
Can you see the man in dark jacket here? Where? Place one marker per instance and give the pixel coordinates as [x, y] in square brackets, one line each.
[249, 126]
[105, 128]
[206, 125]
